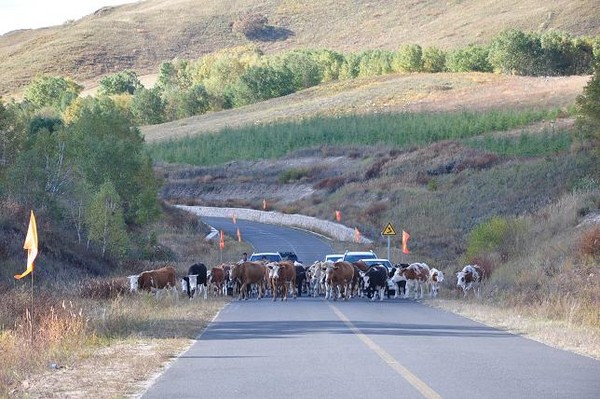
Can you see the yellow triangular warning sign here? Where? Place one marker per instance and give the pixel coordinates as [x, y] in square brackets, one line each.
[389, 230]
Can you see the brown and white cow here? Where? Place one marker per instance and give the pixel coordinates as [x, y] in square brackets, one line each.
[415, 275]
[435, 278]
[470, 277]
[246, 274]
[338, 277]
[153, 280]
[216, 280]
[283, 278]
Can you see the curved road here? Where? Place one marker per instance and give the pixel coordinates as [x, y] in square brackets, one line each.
[308, 246]
[311, 348]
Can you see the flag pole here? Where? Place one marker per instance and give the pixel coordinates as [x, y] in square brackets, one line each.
[32, 307]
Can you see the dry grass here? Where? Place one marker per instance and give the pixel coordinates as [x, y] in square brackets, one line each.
[530, 323]
[158, 30]
[80, 335]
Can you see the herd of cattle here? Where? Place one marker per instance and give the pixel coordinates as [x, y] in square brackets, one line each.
[339, 280]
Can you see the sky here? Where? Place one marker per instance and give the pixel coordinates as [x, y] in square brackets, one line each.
[29, 14]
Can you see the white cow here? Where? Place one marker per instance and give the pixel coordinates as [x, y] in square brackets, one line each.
[415, 275]
[435, 278]
[470, 277]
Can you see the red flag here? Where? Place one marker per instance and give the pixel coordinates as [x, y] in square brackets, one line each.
[338, 216]
[31, 245]
[239, 235]
[405, 237]
[356, 235]
[222, 240]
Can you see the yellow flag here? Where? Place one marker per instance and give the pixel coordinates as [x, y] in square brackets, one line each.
[31, 245]
[405, 237]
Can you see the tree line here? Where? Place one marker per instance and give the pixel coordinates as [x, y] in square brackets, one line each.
[84, 160]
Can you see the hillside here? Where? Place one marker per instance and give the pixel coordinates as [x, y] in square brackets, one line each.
[159, 30]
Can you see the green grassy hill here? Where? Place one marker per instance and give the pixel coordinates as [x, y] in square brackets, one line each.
[143, 34]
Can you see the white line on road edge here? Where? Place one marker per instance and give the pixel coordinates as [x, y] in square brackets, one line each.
[405, 373]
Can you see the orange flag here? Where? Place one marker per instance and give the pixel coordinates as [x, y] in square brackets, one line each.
[222, 240]
[405, 237]
[338, 216]
[265, 204]
[31, 245]
[239, 235]
[356, 235]
[234, 217]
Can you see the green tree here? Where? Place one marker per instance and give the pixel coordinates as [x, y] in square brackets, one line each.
[472, 58]
[409, 58]
[110, 148]
[588, 107]
[51, 91]
[434, 60]
[105, 222]
[305, 69]
[184, 103]
[260, 83]
[121, 82]
[515, 52]
[148, 107]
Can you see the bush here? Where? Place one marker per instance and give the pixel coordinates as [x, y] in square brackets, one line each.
[589, 244]
[251, 25]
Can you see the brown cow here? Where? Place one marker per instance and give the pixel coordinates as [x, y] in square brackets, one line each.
[282, 275]
[216, 279]
[247, 273]
[338, 277]
[416, 274]
[153, 280]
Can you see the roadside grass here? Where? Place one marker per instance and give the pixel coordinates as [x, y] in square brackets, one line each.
[68, 328]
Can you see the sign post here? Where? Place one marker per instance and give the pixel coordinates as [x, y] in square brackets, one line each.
[388, 231]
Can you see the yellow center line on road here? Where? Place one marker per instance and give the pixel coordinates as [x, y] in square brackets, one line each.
[405, 373]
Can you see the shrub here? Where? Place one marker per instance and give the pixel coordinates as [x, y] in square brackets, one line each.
[292, 175]
[250, 24]
[331, 184]
[589, 244]
[496, 237]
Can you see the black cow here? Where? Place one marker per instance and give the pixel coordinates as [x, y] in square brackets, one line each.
[199, 270]
[300, 277]
[375, 281]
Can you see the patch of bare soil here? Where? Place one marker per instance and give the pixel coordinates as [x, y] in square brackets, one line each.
[119, 370]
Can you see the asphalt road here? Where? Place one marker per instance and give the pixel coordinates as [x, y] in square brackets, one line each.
[308, 246]
[312, 348]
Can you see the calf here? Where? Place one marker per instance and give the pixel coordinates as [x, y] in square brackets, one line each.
[399, 285]
[195, 281]
[470, 277]
[435, 278]
[216, 280]
[375, 281]
[416, 274]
